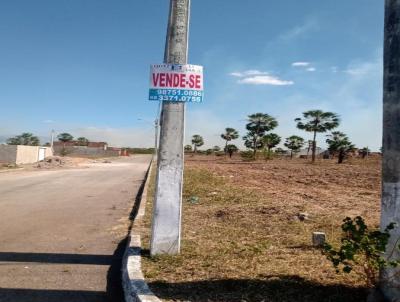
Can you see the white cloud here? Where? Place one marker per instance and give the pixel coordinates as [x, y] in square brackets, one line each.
[300, 30]
[265, 80]
[360, 96]
[246, 73]
[301, 64]
[48, 122]
[361, 69]
[257, 77]
[334, 69]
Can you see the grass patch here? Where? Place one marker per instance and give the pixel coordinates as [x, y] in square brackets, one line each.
[8, 166]
[241, 240]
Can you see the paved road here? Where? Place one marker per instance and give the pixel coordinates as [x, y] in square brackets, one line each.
[62, 231]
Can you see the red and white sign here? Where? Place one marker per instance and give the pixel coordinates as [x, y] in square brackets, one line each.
[176, 83]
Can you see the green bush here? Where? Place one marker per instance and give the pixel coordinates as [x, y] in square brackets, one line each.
[64, 151]
[363, 248]
[247, 155]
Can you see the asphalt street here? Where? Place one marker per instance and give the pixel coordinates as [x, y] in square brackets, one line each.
[62, 231]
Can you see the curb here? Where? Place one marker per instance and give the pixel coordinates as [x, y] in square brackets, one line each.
[133, 282]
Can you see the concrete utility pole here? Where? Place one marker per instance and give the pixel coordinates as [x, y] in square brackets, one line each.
[52, 139]
[156, 137]
[166, 228]
[390, 212]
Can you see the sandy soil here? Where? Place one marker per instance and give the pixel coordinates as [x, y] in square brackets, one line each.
[322, 189]
[243, 240]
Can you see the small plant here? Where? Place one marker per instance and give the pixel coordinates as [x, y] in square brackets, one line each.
[361, 247]
[230, 149]
[197, 141]
[247, 155]
[64, 151]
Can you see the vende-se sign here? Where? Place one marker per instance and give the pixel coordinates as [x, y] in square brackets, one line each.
[176, 83]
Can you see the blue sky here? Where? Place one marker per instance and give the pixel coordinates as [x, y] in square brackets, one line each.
[82, 66]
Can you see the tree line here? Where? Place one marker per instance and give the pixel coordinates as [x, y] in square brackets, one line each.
[28, 139]
[259, 136]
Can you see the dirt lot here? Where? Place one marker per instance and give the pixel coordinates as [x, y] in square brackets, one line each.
[58, 162]
[243, 241]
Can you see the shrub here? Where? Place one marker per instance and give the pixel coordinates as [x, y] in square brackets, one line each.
[64, 151]
[247, 155]
[364, 248]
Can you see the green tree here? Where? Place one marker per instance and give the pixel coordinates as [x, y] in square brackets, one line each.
[26, 139]
[280, 151]
[197, 141]
[258, 124]
[65, 137]
[270, 141]
[317, 121]
[294, 144]
[229, 135]
[216, 148]
[364, 152]
[82, 141]
[188, 148]
[338, 143]
[332, 140]
[230, 149]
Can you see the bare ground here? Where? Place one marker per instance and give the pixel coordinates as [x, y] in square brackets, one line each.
[243, 241]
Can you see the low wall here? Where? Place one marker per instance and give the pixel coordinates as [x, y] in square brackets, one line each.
[8, 154]
[86, 151]
[12, 154]
[27, 154]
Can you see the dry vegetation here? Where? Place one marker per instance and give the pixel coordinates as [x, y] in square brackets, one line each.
[243, 241]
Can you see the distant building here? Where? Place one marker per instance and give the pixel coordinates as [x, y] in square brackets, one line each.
[304, 152]
[19, 154]
[93, 149]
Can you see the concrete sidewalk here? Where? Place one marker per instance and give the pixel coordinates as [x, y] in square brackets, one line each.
[62, 232]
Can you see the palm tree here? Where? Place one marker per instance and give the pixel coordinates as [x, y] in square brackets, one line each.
[216, 149]
[197, 141]
[364, 152]
[270, 141]
[65, 137]
[258, 124]
[82, 141]
[338, 142]
[294, 144]
[230, 149]
[230, 134]
[27, 139]
[317, 121]
[332, 139]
